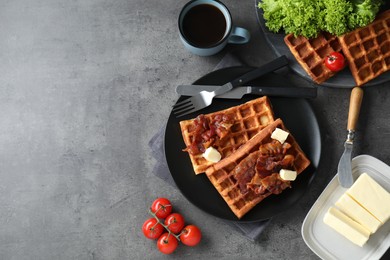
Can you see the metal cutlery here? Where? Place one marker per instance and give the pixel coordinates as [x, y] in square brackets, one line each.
[204, 98]
[239, 92]
[344, 167]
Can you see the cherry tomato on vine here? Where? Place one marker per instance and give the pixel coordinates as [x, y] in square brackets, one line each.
[190, 235]
[335, 61]
[152, 228]
[167, 243]
[174, 222]
[162, 207]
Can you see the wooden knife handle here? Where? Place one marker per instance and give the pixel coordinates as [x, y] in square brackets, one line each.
[354, 107]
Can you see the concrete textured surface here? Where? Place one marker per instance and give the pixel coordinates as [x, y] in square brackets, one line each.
[84, 85]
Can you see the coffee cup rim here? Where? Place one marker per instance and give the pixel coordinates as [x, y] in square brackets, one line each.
[215, 44]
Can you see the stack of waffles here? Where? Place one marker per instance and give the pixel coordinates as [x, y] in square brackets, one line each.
[252, 126]
[366, 49]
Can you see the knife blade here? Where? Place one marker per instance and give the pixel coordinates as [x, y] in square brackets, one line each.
[239, 92]
[344, 168]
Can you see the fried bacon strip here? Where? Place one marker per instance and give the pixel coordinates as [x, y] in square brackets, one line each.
[208, 132]
[259, 171]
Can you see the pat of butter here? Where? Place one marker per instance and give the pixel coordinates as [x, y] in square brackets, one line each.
[350, 207]
[347, 227]
[373, 197]
[280, 135]
[211, 154]
[288, 175]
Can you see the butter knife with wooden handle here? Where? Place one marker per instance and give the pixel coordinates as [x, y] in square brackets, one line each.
[344, 167]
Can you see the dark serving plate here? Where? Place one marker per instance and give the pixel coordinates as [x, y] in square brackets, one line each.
[343, 79]
[298, 117]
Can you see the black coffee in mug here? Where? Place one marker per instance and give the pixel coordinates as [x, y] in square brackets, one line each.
[204, 25]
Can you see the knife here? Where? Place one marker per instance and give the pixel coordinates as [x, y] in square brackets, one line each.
[239, 92]
[344, 168]
[204, 98]
[251, 75]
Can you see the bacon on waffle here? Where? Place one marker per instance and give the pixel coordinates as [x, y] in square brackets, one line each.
[241, 179]
[225, 130]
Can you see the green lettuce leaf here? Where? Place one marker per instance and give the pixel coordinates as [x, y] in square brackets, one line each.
[309, 17]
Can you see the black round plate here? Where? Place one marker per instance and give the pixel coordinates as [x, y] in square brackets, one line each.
[298, 117]
[342, 79]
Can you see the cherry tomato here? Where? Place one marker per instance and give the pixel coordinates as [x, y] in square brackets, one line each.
[161, 207]
[190, 235]
[152, 228]
[174, 222]
[167, 243]
[335, 61]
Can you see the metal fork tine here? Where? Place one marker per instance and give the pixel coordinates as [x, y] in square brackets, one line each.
[183, 109]
[185, 113]
[182, 102]
[195, 103]
[183, 106]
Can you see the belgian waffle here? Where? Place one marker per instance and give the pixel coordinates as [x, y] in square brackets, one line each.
[310, 53]
[367, 49]
[249, 118]
[222, 177]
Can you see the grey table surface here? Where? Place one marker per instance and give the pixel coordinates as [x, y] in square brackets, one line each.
[84, 85]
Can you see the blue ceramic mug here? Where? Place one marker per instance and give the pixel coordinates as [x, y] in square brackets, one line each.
[206, 27]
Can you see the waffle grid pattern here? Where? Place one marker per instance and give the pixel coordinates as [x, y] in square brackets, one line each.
[367, 49]
[310, 53]
[221, 174]
[249, 119]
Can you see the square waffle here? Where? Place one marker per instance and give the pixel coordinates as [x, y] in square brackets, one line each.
[310, 53]
[223, 174]
[367, 49]
[248, 119]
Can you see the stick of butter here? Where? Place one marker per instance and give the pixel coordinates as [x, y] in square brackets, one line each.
[346, 226]
[373, 197]
[350, 207]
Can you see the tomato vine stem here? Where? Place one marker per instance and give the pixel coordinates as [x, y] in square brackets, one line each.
[165, 226]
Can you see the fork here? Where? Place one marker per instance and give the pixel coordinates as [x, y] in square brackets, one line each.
[205, 98]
